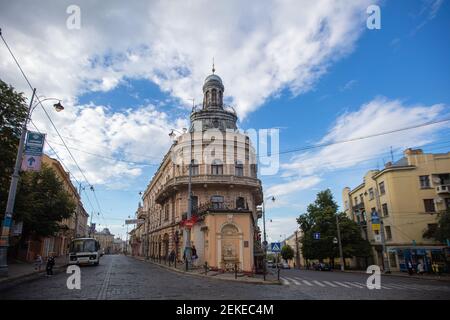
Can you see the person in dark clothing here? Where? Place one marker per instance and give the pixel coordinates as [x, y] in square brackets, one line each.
[50, 264]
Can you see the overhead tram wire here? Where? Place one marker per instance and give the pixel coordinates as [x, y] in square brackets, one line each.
[48, 116]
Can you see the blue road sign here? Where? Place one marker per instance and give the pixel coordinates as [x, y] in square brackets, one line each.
[316, 235]
[275, 247]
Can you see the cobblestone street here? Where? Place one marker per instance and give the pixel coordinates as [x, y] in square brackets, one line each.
[121, 277]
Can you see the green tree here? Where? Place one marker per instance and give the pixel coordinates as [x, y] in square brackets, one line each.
[13, 112]
[42, 202]
[441, 231]
[320, 217]
[287, 253]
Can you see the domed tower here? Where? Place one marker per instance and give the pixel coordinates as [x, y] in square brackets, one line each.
[213, 115]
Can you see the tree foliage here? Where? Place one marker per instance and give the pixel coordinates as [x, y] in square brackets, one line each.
[287, 253]
[42, 202]
[441, 232]
[13, 112]
[320, 217]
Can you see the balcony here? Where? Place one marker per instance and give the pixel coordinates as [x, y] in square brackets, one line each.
[172, 185]
[443, 189]
[209, 207]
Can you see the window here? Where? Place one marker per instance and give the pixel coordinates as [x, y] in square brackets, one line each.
[254, 170]
[217, 167]
[382, 189]
[356, 200]
[388, 233]
[194, 202]
[371, 194]
[194, 168]
[166, 212]
[424, 182]
[392, 260]
[429, 205]
[239, 169]
[361, 197]
[385, 209]
[217, 202]
[240, 203]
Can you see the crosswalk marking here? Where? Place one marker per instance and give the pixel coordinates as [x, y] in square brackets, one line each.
[329, 283]
[284, 281]
[307, 283]
[354, 284]
[317, 282]
[341, 284]
[294, 281]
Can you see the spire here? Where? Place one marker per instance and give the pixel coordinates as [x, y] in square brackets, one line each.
[213, 69]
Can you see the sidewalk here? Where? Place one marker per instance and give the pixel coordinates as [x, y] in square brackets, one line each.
[19, 270]
[271, 278]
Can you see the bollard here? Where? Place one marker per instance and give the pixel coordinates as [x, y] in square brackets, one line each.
[235, 271]
[206, 268]
[278, 274]
[186, 264]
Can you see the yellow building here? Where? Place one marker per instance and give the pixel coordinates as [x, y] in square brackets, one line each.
[406, 195]
[106, 240]
[225, 191]
[294, 242]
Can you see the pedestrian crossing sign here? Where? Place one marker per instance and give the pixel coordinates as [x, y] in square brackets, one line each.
[275, 247]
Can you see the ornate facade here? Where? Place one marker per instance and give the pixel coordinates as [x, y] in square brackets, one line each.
[225, 191]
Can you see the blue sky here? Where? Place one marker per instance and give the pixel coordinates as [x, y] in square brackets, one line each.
[359, 83]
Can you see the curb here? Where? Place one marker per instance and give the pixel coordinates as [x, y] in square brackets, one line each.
[262, 282]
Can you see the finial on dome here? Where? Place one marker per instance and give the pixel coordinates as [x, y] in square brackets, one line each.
[213, 69]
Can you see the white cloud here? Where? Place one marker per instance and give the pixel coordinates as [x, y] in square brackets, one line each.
[139, 135]
[259, 47]
[379, 115]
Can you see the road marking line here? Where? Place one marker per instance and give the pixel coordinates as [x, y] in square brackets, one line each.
[285, 281]
[294, 281]
[329, 283]
[307, 282]
[355, 285]
[341, 284]
[102, 293]
[317, 282]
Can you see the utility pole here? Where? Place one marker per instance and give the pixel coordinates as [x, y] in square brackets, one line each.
[265, 239]
[7, 220]
[297, 251]
[340, 243]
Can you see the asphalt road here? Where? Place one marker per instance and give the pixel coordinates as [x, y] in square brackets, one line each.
[121, 277]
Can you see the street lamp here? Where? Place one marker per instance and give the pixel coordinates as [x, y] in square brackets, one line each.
[4, 239]
[264, 231]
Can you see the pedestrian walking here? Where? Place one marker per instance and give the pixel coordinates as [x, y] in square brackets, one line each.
[420, 268]
[410, 268]
[38, 263]
[50, 264]
[194, 255]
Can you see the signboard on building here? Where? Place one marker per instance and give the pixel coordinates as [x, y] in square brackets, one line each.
[377, 238]
[135, 221]
[34, 147]
[375, 219]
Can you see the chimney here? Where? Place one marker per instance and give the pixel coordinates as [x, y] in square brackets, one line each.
[410, 152]
[388, 164]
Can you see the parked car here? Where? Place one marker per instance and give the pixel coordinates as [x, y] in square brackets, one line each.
[270, 264]
[284, 265]
[322, 267]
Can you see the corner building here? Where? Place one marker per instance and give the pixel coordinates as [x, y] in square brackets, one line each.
[225, 191]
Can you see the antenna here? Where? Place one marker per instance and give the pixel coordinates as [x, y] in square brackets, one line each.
[213, 69]
[392, 155]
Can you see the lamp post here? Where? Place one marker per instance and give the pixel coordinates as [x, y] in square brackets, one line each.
[4, 239]
[340, 243]
[265, 234]
[187, 245]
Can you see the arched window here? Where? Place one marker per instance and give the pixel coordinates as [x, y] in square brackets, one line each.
[217, 167]
[217, 202]
[240, 203]
[239, 169]
[214, 96]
